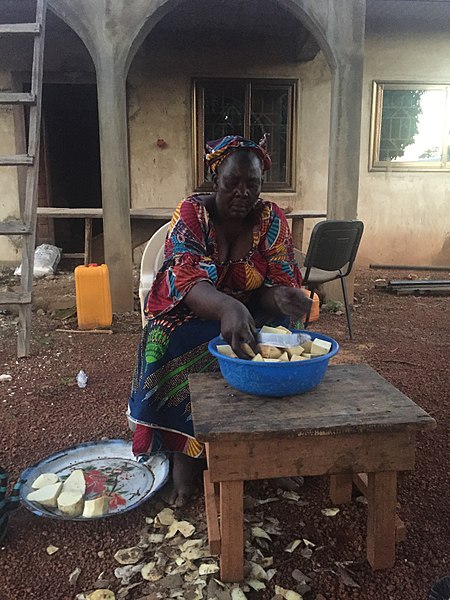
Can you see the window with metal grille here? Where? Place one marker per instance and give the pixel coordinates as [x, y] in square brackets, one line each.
[250, 108]
[410, 127]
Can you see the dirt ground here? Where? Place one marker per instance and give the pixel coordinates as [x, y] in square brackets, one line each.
[406, 339]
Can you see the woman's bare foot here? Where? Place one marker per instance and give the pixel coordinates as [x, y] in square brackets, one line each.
[181, 485]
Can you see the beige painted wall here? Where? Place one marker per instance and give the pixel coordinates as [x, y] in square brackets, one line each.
[9, 200]
[407, 215]
[160, 107]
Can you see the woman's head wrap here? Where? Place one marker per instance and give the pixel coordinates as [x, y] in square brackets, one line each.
[218, 150]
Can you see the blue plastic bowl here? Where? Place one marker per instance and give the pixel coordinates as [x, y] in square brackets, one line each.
[274, 379]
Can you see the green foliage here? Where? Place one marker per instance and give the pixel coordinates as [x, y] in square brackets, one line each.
[399, 125]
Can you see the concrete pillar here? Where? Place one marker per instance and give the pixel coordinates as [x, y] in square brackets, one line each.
[345, 133]
[111, 89]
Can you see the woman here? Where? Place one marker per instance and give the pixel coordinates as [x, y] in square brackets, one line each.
[229, 261]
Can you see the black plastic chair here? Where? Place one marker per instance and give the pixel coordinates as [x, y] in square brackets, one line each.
[331, 254]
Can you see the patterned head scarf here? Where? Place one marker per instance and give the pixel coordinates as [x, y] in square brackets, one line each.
[218, 150]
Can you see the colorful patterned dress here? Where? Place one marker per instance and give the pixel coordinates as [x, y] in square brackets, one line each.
[174, 342]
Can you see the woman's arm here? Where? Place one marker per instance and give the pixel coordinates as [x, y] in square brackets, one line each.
[283, 300]
[236, 323]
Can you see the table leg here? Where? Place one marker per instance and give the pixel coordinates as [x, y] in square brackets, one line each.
[212, 517]
[297, 232]
[382, 501]
[232, 531]
[341, 488]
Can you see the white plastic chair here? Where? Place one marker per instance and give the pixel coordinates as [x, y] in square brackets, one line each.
[151, 262]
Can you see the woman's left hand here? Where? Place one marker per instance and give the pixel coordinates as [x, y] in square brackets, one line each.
[291, 301]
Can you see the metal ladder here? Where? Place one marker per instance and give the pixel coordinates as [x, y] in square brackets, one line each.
[26, 226]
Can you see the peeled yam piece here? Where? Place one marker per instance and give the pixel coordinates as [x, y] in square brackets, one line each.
[226, 350]
[282, 329]
[320, 347]
[71, 502]
[295, 350]
[307, 346]
[272, 360]
[296, 357]
[267, 351]
[44, 480]
[308, 355]
[47, 496]
[267, 329]
[248, 350]
[284, 357]
[258, 358]
[97, 507]
[75, 482]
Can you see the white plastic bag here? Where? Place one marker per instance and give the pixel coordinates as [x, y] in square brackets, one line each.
[46, 259]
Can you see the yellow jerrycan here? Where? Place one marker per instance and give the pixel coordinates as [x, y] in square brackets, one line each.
[93, 296]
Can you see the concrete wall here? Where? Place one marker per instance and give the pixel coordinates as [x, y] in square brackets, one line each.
[66, 61]
[407, 215]
[9, 200]
[160, 106]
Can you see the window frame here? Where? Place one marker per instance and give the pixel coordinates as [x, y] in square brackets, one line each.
[375, 164]
[198, 86]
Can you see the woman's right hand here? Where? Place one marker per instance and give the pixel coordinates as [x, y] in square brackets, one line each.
[237, 326]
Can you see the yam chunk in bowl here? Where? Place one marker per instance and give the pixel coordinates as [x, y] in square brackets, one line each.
[275, 379]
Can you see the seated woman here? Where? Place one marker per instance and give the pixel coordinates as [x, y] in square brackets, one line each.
[228, 267]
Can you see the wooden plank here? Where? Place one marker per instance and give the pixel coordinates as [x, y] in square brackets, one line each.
[15, 297]
[306, 214]
[232, 531]
[70, 213]
[17, 98]
[87, 241]
[16, 160]
[212, 515]
[152, 214]
[382, 500]
[341, 486]
[155, 213]
[361, 482]
[350, 399]
[12, 28]
[315, 455]
[104, 331]
[297, 233]
[14, 228]
[418, 282]
[411, 267]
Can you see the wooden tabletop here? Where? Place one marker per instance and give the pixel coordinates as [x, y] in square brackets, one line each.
[350, 399]
[156, 213]
[163, 214]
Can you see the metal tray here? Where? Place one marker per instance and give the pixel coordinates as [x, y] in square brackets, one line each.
[110, 469]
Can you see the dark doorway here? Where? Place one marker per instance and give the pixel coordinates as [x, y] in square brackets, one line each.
[72, 158]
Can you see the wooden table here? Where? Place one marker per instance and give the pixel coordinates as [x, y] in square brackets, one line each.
[161, 215]
[298, 223]
[88, 214]
[354, 426]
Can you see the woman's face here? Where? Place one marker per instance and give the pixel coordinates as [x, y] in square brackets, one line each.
[238, 185]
